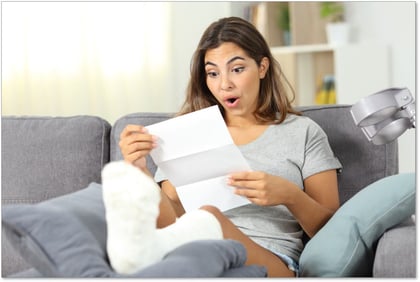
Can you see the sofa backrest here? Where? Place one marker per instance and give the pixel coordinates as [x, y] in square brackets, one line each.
[55, 154]
[363, 163]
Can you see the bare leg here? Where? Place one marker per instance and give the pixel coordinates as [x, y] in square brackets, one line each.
[255, 253]
[167, 214]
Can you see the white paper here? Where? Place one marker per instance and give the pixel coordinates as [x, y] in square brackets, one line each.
[196, 153]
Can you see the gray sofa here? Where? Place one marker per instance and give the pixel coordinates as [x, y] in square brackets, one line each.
[47, 157]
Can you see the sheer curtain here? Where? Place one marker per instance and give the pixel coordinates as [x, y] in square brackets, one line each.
[98, 58]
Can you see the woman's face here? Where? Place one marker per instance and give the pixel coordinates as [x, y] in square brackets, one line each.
[234, 78]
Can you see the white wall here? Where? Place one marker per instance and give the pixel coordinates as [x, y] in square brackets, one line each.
[391, 23]
[189, 20]
[394, 24]
[69, 58]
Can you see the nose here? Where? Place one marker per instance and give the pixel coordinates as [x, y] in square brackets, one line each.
[226, 82]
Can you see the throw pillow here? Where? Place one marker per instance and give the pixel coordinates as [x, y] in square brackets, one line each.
[52, 234]
[345, 246]
[66, 237]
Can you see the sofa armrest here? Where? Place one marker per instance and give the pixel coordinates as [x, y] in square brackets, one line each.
[396, 252]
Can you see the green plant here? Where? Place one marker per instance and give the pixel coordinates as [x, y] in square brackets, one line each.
[284, 18]
[332, 11]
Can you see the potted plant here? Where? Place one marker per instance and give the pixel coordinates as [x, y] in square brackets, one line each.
[337, 29]
[284, 23]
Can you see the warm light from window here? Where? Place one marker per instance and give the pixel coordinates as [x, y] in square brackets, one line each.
[110, 37]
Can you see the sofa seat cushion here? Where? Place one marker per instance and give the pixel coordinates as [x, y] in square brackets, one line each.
[66, 237]
[345, 246]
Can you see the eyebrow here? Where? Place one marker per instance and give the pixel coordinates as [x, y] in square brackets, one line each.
[228, 62]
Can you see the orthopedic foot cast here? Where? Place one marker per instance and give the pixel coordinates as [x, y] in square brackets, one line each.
[131, 201]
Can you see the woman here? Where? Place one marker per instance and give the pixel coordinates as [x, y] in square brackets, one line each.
[293, 185]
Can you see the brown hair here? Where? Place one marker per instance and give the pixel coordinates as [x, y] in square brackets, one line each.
[273, 102]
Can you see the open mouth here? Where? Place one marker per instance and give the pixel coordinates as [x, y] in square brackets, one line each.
[232, 102]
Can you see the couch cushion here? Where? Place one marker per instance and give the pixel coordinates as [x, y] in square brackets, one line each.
[66, 237]
[45, 157]
[50, 235]
[345, 246]
[396, 253]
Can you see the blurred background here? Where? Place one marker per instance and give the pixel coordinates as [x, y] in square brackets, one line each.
[113, 58]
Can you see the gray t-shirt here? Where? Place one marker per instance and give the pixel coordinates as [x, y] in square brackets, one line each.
[294, 150]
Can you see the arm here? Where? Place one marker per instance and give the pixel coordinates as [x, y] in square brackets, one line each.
[312, 208]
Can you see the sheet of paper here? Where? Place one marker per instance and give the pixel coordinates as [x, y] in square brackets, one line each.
[196, 153]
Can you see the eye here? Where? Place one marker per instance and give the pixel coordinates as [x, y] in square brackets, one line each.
[238, 69]
[212, 74]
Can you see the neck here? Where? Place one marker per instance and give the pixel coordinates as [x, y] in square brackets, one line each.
[241, 122]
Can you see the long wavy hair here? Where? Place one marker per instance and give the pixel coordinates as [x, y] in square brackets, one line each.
[273, 100]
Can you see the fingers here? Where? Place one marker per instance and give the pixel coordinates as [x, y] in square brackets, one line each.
[136, 142]
[246, 179]
[252, 185]
[134, 131]
[247, 183]
[133, 156]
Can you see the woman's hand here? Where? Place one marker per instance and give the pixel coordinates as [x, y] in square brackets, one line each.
[312, 207]
[135, 144]
[261, 188]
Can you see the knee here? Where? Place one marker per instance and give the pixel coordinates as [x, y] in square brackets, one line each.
[212, 209]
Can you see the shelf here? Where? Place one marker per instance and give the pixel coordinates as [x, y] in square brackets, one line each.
[306, 25]
[299, 49]
[359, 69]
[305, 66]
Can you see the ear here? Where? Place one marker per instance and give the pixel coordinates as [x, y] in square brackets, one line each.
[264, 64]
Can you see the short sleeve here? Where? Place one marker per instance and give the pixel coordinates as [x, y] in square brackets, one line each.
[159, 175]
[318, 153]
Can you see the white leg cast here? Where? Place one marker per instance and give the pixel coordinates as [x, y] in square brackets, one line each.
[131, 201]
[194, 225]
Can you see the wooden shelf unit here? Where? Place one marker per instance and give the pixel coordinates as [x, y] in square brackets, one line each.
[359, 69]
[306, 26]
